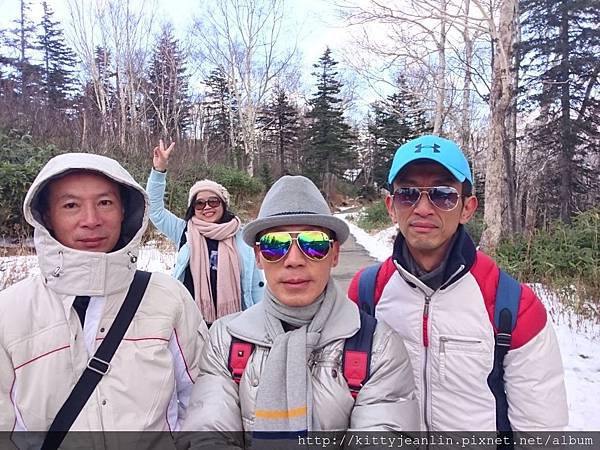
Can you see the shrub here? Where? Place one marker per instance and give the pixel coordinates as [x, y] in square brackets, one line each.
[240, 185]
[566, 258]
[21, 160]
[375, 216]
[476, 225]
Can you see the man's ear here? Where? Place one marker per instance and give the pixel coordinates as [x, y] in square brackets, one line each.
[389, 204]
[335, 252]
[468, 209]
[257, 257]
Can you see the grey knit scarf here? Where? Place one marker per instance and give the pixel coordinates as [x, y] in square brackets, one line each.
[284, 397]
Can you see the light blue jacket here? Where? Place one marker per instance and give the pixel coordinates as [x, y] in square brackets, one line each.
[172, 226]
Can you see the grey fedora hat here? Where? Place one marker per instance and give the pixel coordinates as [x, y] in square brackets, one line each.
[294, 200]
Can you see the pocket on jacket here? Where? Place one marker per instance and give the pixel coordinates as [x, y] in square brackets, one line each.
[460, 356]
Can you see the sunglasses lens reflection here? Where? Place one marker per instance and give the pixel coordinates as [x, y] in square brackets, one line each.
[442, 197]
[314, 244]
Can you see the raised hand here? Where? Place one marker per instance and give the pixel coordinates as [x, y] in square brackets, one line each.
[160, 159]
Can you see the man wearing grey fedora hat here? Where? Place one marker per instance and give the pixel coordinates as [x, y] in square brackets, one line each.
[281, 367]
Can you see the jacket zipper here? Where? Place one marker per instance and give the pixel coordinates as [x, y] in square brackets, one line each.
[426, 345]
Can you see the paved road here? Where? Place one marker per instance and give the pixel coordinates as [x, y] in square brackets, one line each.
[352, 258]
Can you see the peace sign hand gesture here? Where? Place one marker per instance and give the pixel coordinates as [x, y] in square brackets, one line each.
[160, 159]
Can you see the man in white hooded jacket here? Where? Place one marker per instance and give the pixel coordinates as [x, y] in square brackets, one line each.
[89, 216]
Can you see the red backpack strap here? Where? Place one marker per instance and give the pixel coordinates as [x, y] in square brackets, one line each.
[356, 362]
[239, 353]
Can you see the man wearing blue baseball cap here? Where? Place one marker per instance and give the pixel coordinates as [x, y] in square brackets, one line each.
[483, 351]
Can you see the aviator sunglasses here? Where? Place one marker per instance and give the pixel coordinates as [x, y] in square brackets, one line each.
[213, 202]
[442, 197]
[275, 245]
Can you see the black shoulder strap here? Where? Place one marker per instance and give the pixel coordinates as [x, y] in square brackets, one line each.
[356, 362]
[98, 365]
[366, 288]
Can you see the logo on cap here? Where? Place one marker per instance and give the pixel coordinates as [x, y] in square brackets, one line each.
[435, 147]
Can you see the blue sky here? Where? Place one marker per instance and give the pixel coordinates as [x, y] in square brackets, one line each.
[314, 24]
[314, 20]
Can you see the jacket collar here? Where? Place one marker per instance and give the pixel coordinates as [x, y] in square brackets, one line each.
[73, 272]
[459, 259]
[344, 322]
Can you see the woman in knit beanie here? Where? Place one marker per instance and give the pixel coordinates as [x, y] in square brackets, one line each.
[213, 261]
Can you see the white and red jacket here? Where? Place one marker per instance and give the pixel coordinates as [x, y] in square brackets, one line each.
[450, 337]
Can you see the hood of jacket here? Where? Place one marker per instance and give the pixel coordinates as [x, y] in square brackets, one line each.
[75, 272]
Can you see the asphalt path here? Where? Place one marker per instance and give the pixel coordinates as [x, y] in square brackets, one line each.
[353, 257]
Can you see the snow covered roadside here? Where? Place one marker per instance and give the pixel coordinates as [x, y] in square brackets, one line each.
[579, 341]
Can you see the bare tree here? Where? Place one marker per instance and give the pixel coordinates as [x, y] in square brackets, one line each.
[245, 38]
[502, 94]
[412, 35]
[465, 127]
[424, 34]
[120, 32]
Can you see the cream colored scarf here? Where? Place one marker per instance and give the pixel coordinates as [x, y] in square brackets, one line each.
[229, 293]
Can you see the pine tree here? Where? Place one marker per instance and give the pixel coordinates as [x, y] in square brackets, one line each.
[331, 146]
[21, 39]
[58, 81]
[280, 119]
[394, 122]
[561, 59]
[168, 96]
[221, 110]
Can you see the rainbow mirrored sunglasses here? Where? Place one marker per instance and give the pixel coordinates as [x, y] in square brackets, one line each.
[275, 245]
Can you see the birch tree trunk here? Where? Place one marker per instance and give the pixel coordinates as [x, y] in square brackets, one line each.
[465, 128]
[501, 98]
[440, 97]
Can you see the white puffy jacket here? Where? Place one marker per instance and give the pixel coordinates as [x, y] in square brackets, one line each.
[44, 350]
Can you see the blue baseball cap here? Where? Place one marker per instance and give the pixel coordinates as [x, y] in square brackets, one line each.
[434, 148]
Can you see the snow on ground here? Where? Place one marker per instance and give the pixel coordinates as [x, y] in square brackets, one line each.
[579, 341]
[155, 258]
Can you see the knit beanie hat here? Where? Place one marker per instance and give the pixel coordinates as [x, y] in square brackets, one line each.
[212, 186]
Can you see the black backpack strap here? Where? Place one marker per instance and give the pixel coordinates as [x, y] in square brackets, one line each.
[366, 289]
[98, 365]
[356, 362]
[239, 354]
[506, 309]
